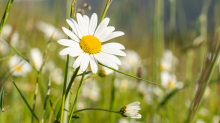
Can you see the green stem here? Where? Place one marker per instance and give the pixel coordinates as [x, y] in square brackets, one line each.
[64, 89]
[74, 104]
[112, 97]
[106, 8]
[4, 58]
[5, 16]
[130, 75]
[97, 109]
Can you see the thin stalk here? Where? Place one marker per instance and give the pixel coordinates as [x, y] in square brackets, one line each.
[86, 109]
[77, 94]
[5, 16]
[203, 82]
[39, 73]
[106, 8]
[131, 75]
[64, 89]
[45, 102]
[112, 97]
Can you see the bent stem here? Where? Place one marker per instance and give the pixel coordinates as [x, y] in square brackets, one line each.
[131, 75]
[97, 109]
[74, 104]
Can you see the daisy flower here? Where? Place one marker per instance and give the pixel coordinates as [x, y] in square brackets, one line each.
[87, 43]
[131, 110]
[169, 80]
[36, 57]
[18, 66]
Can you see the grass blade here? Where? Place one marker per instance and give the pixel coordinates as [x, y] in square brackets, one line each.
[5, 16]
[26, 102]
[1, 100]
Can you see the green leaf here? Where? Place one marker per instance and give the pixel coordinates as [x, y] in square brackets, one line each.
[85, 74]
[1, 99]
[4, 18]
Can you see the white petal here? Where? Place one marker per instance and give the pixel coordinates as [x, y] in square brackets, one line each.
[71, 34]
[86, 20]
[66, 51]
[102, 26]
[137, 116]
[111, 58]
[105, 32]
[78, 61]
[105, 61]
[93, 64]
[134, 103]
[114, 51]
[68, 42]
[112, 35]
[93, 24]
[113, 46]
[81, 23]
[76, 52]
[85, 62]
[79, 33]
[70, 21]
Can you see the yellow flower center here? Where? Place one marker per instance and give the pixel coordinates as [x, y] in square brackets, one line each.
[172, 84]
[90, 44]
[17, 68]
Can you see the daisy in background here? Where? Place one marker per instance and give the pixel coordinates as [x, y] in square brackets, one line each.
[8, 32]
[18, 66]
[169, 80]
[87, 43]
[168, 61]
[4, 48]
[36, 57]
[104, 71]
[131, 61]
[49, 30]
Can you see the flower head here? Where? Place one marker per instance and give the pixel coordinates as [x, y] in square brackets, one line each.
[168, 61]
[36, 57]
[86, 43]
[18, 66]
[131, 110]
[169, 80]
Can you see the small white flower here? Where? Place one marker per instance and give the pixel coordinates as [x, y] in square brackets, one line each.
[4, 48]
[36, 57]
[131, 60]
[131, 110]
[169, 80]
[8, 32]
[168, 61]
[86, 43]
[105, 71]
[91, 90]
[57, 76]
[18, 66]
[49, 30]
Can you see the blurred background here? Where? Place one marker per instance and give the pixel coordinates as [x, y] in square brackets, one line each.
[166, 41]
